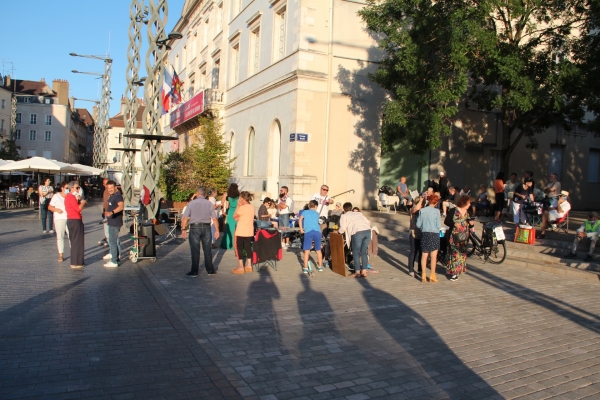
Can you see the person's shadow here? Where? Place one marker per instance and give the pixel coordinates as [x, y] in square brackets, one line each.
[433, 365]
[259, 304]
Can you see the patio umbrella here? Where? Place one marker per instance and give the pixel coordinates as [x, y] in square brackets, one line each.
[40, 164]
[89, 170]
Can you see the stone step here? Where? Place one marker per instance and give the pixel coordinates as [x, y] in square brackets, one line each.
[554, 258]
[579, 271]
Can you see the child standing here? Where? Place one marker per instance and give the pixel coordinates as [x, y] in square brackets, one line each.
[309, 226]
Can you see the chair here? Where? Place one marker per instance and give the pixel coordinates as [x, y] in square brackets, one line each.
[563, 223]
[533, 213]
[11, 198]
[266, 249]
[170, 225]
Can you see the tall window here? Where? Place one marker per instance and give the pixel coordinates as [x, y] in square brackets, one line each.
[280, 33]
[203, 78]
[3, 104]
[48, 119]
[594, 166]
[118, 156]
[255, 51]
[1, 124]
[237, 7]
[235, 64]
[33, 119]
[120, 138]
[250, 158]
[18, 118]
[47, 136]
[555, 165]
[215, 74]
[27, 99]
[32, 135]
[18, 134]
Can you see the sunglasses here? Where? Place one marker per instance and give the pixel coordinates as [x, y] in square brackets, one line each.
[326, 190]
[76, 187]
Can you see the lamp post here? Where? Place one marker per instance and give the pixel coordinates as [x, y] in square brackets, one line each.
[100, 134]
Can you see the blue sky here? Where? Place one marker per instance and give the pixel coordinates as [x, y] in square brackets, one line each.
[38, 36]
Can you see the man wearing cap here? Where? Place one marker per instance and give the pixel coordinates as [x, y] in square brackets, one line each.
[553, 213]
[589, 229]
[197, 219]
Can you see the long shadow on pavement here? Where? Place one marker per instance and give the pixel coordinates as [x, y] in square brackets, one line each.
[430, 368]
[559, 307]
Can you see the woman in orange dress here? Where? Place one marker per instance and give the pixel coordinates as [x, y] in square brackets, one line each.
[244, 231]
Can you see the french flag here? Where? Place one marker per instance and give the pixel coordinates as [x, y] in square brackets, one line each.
[166, 92]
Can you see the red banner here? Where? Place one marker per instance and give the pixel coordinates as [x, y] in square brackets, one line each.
[188, 110]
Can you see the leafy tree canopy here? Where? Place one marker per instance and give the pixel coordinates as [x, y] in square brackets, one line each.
[205, 163]
[9, 150]
[530, 60]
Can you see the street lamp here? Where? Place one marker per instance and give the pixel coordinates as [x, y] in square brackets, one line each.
[100, 134]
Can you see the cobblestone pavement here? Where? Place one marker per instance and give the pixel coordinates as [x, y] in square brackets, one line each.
[147, 330]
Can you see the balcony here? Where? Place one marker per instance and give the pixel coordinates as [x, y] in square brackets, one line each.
[3, 133]
[214, 99]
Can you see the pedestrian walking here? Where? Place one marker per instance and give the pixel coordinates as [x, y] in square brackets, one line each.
[73, 206]
[229, 201]
[197, 218]
[244, 231]
[457, 263]
[114, 221]
[46, 192]
[429, 224]
[57, 207]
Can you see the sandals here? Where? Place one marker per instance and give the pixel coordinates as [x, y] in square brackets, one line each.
[61, 258]
[248, 269]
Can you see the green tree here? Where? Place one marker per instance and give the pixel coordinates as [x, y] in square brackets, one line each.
[205, 163]
[524, 59]
[9, 150]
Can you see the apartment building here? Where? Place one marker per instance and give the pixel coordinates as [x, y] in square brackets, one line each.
[5, 112]
[286, 77]
[47, 124]
[116, 140]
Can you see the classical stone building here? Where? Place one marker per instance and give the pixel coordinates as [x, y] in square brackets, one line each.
[5, 112]
[48, 124]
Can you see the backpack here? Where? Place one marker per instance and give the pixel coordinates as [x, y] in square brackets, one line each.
[146, 198]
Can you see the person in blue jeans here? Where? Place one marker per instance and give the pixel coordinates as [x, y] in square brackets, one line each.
[309, 226]
[358, 233]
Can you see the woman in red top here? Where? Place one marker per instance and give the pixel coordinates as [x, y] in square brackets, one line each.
[499, 191]
[74, 204]
[244, 230]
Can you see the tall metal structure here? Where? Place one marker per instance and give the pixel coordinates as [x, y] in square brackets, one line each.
[100, 151]
[137, 15]
[150, 149]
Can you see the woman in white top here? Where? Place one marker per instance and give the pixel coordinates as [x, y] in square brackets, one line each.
[45, 192]
[57, 206]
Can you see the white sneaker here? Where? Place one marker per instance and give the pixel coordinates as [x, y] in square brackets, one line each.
[50, 231]
[107, 257]
[44, 231]
[111, 265]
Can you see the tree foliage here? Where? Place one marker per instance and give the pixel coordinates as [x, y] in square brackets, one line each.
[527, 60]
[9, 150]
[204, 163]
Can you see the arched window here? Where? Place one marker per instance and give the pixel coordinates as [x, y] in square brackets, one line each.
[250, 155]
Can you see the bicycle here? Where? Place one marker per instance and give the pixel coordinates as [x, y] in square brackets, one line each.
[491, 246]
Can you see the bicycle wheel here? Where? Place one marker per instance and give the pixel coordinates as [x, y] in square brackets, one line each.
[470, 247]
[497, 253]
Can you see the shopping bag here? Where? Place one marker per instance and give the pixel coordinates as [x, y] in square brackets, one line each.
[525, 235]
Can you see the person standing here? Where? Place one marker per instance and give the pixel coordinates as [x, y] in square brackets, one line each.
[509, 191]
[57, 206]
[523, 193]
[444, 184]
[429, 224]
[197, 219]
[323, 200]
[499, 196]
[358, 233]
[414, 238]
[73, 206]
[229, 201]
[105, 196]
[458, 250]
[244, 231]
[114, 217]
[311, 229]
[46, 191]
[285, 207]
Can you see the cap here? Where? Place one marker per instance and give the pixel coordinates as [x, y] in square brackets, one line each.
[564, 193]
[593, 214]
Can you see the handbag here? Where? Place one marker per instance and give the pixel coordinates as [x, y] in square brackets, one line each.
[460, 237]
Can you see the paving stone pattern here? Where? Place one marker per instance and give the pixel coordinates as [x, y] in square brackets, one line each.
[147, 330]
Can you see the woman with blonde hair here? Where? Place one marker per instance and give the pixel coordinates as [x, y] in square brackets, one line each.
[244, 231]
[429, 224]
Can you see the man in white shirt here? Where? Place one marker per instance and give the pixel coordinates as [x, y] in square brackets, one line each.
[358, 234]
[554, 213]
[285, 207]
[324, 201]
